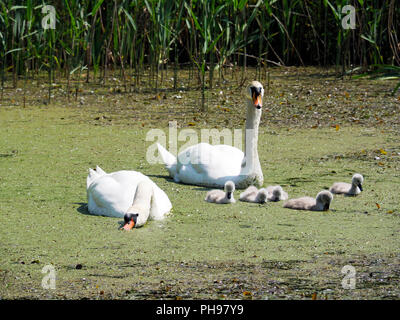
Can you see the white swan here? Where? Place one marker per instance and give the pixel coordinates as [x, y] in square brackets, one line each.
[222, 197]
[276, 193]
[320, 203]
[212, 165]
[112, 194]
[252, 194]
[348, 189]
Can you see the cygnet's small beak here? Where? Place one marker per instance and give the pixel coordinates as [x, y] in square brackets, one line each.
[257, 100]
[360, 186]
[326, 206]
[229, 195]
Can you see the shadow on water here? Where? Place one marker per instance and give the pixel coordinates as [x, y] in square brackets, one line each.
[169, 179]
[166, 178]
[204, 188]
[83, 209]
[294, 182]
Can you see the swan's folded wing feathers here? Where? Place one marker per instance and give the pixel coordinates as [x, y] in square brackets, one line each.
[91, 177]
[160, 203]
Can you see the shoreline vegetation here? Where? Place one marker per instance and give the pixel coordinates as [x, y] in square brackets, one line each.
[143, 40]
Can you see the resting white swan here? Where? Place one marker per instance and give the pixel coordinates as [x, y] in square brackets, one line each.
[348, 189]
[212, 165]
[112, 194]
[321, 203]
[276, 193]
[222, 197]
[252, 194]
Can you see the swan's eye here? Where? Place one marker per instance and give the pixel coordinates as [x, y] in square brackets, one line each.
[257, 91]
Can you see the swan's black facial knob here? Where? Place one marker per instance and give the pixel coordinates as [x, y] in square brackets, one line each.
[256, 94]
[130, 220]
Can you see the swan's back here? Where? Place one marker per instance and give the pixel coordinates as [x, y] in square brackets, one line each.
[205, 164]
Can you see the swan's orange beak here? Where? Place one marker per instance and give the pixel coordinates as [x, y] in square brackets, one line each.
[130, 220]
[257, 100]
[128, 226]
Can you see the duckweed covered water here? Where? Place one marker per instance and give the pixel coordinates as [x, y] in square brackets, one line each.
[201, 250]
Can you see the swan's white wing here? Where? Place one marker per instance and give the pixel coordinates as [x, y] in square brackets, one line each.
[109, 197]
[204, 163]
[160, 204]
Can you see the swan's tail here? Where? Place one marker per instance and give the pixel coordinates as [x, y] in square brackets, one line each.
[169, 160]
[100, 171]
[93, 174]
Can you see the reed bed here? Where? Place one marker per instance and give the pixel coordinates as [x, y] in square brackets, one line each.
[143, 38]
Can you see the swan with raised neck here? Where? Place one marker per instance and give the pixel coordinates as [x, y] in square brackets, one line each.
[213, 165]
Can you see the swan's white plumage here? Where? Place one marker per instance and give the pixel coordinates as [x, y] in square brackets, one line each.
[112, 194]
[212, 165]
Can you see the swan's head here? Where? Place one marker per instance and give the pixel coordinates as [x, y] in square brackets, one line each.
[357, 181]
[325, 198]
[255, 93]
[262, 195]
[229, 188]
[130, 220]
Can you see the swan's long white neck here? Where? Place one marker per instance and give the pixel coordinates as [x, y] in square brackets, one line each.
[251, 136]
[251, 168]
[142, 203]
